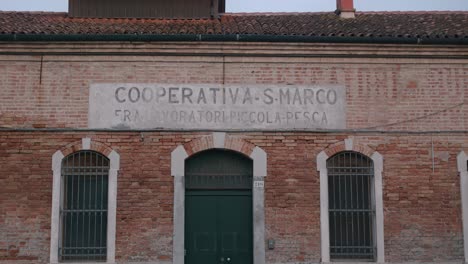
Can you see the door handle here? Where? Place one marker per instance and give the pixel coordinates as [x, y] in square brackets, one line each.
[228, 260]
[222, 260]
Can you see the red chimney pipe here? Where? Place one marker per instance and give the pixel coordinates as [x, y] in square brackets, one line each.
[345, 5]
[345, 8]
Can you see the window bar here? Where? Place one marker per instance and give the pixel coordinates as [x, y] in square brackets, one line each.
[332, 214]
[83, 208]
[371, 209]
[63, 205]
[70, 205]
[365, 218]
[84, 176]
[369, 214]
[103, 242]
[346, 206]
[95, 201]
[363, 213]
[96, 206]
[360, 205]
[68, 189]
[340, 213]
[370, 173]
[335, 207]
[370, 219]
[100, 215]
[89, 207]
[78, 207]
[351, 191]
[347, 213]
[74, 206]
[106, 201]
[92, 207]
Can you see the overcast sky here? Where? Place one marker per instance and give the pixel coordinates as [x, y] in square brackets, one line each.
[272, 5]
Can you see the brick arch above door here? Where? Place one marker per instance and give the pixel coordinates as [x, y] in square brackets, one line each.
[218, 140]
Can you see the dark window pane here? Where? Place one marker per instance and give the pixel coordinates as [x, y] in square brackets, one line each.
[84, 207]
[218, 169]
[351, 210]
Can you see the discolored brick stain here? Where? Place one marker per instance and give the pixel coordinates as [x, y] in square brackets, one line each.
[13, 251]
[412, 85]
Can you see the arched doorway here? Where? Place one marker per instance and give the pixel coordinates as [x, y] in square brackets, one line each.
[218, 208]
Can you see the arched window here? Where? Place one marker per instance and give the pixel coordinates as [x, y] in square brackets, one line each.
[219, 170]
[351, 206]
[84, 207]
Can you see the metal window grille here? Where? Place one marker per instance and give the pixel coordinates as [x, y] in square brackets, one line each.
[83, 208]
[218, 170]
[351, 207]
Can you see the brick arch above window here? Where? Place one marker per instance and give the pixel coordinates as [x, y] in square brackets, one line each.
[114, 166]
[350, 145]
[87, 144]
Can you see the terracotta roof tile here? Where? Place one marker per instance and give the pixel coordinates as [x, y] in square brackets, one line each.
[432, 25]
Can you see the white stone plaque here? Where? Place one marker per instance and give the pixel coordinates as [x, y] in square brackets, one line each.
[259, 184]
[219, 107]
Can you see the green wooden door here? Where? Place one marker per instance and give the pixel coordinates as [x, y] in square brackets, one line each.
[218, 209]
[218, 227]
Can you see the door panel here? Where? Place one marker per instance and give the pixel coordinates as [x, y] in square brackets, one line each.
[235, 228]
[218, 227]
[200, 229]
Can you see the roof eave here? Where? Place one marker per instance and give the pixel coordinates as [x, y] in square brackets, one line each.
[232, 38]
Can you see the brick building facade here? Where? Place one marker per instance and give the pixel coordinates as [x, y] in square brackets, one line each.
[404, 77]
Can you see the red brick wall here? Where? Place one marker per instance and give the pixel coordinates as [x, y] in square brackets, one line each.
[422, 205]
[386, 94]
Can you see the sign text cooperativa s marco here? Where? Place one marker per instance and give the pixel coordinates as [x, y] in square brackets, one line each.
[135, 106]
[186, 95]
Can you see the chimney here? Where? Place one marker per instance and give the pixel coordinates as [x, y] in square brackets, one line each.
[165, 9]
[345, 8]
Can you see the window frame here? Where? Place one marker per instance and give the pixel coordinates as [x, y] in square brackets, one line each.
[73, 190]
[377, 193]
[341, 193]
[57, 185]
[462, 167]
